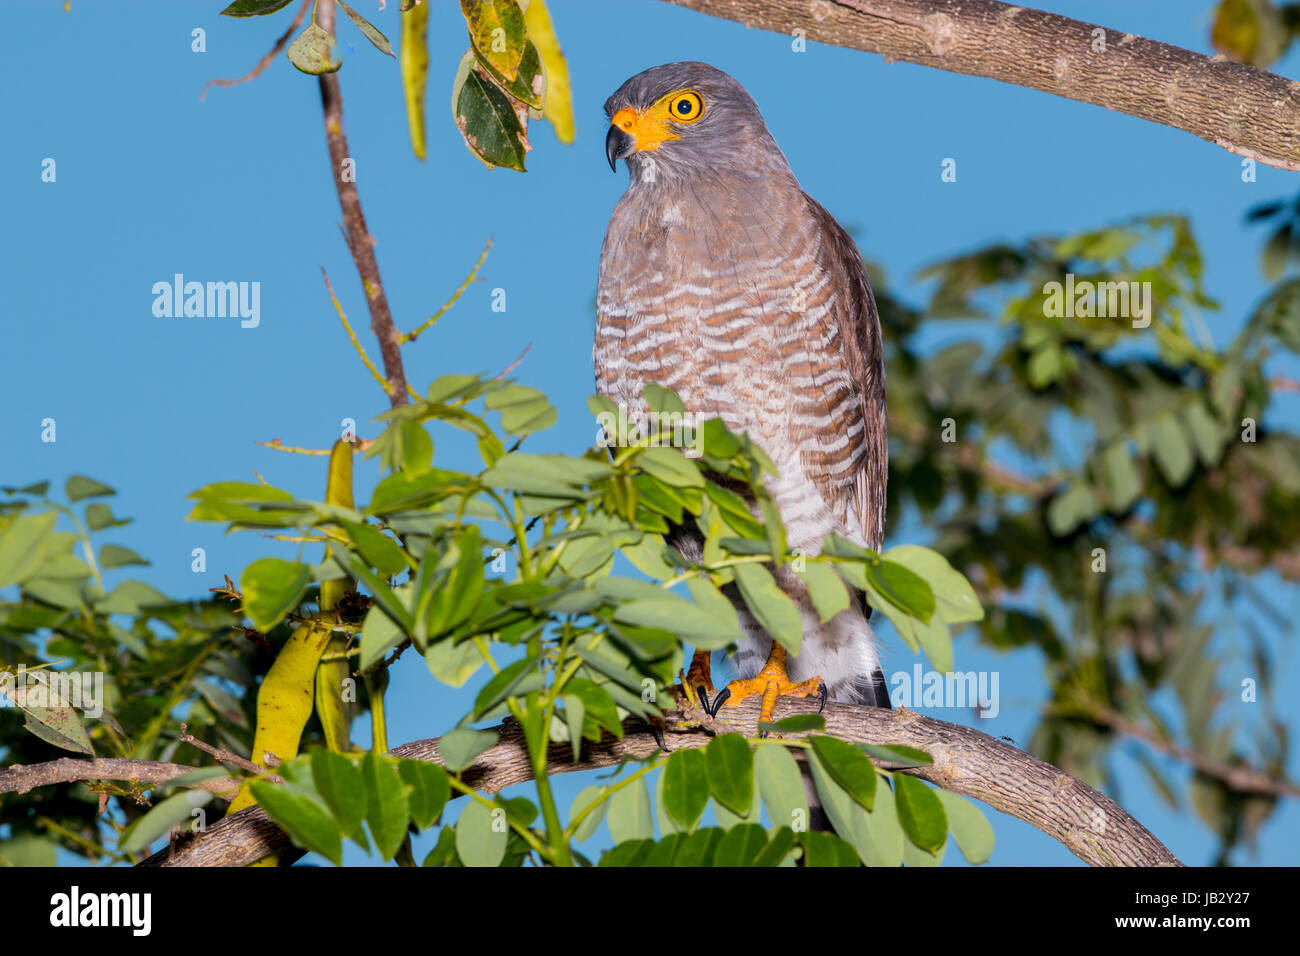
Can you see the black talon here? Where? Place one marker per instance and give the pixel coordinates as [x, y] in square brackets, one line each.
[823, 696]
[658, 733]
[723, 696]
[702, 693]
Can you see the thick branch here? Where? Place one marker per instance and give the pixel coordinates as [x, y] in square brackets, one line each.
[360, 242]
[23, 777]
[1245, 110]
[966, 761]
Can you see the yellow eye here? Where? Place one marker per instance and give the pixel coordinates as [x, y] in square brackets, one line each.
[686, 106]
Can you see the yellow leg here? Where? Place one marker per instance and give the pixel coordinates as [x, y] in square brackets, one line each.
[772, 682]
[697, 682]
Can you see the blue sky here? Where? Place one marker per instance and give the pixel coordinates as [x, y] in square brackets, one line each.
[151, 182]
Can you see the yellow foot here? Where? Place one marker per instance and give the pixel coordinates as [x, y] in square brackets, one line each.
[772, 682]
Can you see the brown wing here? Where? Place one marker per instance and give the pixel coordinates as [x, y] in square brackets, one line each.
[856, 491]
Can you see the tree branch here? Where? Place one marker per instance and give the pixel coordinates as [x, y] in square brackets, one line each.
[966, 761]
[1245, 110]
[360, 242]
[23, 777]
[1241, 778]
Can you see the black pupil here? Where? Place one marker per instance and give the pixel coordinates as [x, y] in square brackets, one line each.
[684, 107]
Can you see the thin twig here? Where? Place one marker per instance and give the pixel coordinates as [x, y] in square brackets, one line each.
[225, 756]
[469, 280]
[356, 344]
[266, 60]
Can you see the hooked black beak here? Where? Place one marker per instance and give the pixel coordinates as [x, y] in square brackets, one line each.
[618, 145]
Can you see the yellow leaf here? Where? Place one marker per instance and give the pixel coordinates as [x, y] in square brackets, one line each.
[559, 94]
[415, 71]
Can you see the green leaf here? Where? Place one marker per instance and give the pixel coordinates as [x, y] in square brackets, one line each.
[1207, 433]
[129, 597]
[78, 487]
[115, 556]
[100, 516]
[379, 634]
[777, 849]
[1172, 451]
[770, 605]
[920, 813]
[902, 587]
[373, 35]
[254, 8]
[386, 812]
[590, 823]
[482, 835]
[971, 830]
[514, 680]
[694, 623]
[1120, 477]
[460, 589]
[730, 772]
[829, 595]
[741, 845]
[523, 410]
[954, 598]
[498, 32]
[721, 614]
[875, 836]
[453, 663]
[485, 117]
[781, 786]
[312, 51]
[897, 756]
[459, 748]
[598, 707]
[194, 777]
[849, 767]
[158, 822]
[339, 782]
[827, 849]
[272, 588]
[552, 476]
[1077, 504]
[379, 551]
[428, 790]
[670, 466]
[797, 724]
[24, 543]
[686, 787]
[630, 816]
[626, 854]
[50, 717]
[308, 823]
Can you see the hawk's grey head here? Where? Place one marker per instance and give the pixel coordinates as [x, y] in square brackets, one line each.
[683, 118]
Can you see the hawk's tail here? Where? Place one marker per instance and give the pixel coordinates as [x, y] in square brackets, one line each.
[872, 691]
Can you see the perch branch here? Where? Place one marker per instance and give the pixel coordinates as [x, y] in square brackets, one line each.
[1245, 110]
[966, 761]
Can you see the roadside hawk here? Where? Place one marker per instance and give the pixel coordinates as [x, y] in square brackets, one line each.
[721, 279]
